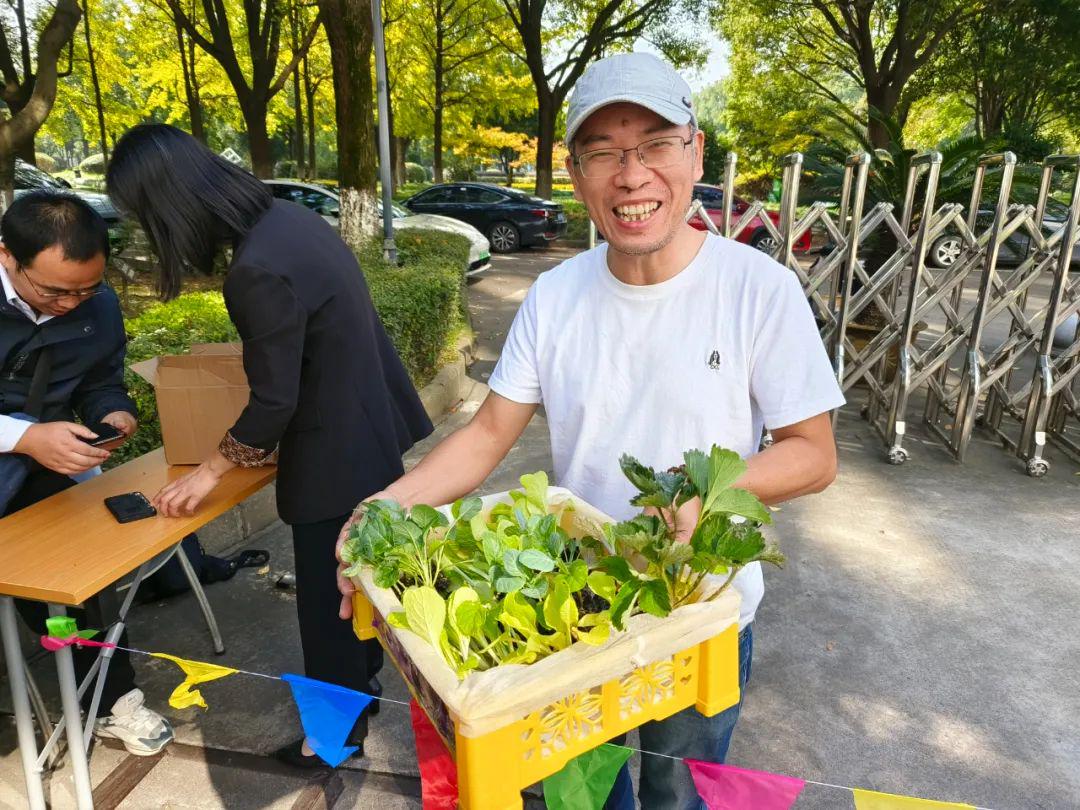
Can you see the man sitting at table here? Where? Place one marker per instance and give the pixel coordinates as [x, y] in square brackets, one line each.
[62, 349]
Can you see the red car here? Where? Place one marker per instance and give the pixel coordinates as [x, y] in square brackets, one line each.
[755, 234]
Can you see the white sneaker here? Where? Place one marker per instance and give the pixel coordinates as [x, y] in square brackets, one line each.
[143, 731]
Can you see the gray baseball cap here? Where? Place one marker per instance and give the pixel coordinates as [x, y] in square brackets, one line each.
[635, 78]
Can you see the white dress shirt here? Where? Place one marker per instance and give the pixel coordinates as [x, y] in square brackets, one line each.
[11, 429]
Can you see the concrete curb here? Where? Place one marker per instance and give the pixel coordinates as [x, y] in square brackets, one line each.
[440, 396]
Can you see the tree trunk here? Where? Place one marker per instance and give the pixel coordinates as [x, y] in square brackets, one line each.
[310, 89]
[394, 179]
[94, 81]
[27, 153]
[312, 166]
[195, 110]
[191, 88]
[298, 137]
[17, 133]
[546, 111]
[401, 146]
[348, 29]
[7, 180]
[884, 100]
[262, 160]
[298, 110]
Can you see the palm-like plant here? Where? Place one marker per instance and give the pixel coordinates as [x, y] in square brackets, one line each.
[823, 165]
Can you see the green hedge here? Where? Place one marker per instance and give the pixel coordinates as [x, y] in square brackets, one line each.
[421, 303]
[577, 220]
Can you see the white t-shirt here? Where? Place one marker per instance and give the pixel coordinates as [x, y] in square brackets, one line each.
[707, 357]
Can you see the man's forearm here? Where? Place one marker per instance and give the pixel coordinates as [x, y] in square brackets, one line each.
[790, 468]
[458, 465]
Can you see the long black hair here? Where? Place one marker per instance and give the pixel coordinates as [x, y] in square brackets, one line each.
[188, 200]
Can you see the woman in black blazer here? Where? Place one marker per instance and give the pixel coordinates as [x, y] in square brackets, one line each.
[331, 403]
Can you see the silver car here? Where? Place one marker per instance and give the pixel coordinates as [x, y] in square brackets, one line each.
[327, 203]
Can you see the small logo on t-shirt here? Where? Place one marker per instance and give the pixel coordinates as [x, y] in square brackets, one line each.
[714, 360]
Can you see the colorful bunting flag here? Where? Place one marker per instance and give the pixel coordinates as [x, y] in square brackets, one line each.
[725, 787]
[438, 771]
[52, 644]
[872, 800]
[328, 713]
[196, 672]
[585, 782]
[65, 627]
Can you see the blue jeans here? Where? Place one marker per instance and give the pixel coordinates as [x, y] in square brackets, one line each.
[15, 467]
[666, 784]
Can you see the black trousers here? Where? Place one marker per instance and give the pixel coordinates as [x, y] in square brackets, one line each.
[332, 652]
[121, 675]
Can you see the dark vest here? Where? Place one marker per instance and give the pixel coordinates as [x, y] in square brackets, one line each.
[86, 349]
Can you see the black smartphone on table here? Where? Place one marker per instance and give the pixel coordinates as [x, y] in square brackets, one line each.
[130, 507]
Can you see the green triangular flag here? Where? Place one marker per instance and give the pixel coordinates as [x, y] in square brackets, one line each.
[585, 782]
[65, 627]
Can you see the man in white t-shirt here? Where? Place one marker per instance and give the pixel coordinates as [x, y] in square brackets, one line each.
[662, 340]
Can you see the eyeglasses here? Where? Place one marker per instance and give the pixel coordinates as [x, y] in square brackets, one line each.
[659, 153]
[52, 292]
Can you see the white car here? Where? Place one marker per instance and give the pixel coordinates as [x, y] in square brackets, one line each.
[327, 203]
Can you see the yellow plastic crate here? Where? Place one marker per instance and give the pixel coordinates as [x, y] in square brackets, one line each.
[494, 768]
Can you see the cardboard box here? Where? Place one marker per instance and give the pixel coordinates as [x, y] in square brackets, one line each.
[199, 397]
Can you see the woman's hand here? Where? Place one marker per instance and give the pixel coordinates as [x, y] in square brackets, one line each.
[344, 584]
[183, 496]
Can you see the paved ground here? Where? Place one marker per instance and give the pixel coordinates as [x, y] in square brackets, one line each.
[921, 640]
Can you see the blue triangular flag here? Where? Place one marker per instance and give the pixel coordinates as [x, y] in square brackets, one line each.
[328, 713]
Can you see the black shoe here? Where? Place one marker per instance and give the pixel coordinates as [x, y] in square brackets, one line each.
[374, 688]
[293, 755]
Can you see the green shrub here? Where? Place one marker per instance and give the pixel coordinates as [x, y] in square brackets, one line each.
[93, 164]
[285, 168]
[421, 304]
[415, 173]
[577, 220]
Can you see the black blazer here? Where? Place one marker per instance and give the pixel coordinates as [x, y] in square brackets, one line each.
[327, 387]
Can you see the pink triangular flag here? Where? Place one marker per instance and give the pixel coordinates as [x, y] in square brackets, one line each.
[725, 787]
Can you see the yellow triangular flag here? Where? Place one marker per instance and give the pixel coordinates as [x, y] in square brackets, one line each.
[871, 800]
[197, 672]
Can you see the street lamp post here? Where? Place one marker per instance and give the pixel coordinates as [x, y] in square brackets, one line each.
[389, 248]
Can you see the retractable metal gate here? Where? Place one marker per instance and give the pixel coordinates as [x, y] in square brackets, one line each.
[981, 326]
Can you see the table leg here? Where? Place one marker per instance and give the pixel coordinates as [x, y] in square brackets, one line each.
[69, 696]
[24, 723]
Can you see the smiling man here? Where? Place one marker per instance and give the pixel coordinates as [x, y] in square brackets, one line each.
[661, 340]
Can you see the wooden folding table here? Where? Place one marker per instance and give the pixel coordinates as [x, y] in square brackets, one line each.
[69, 548]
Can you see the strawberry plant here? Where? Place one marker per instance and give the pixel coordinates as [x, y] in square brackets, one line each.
[511, 586]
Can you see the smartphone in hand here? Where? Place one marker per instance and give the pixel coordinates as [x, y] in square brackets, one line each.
[106, 434]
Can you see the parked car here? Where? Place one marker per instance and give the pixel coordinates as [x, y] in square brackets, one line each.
[511, 219]
[28, 178]
[947, 248]
[327, 203]
[755, 234]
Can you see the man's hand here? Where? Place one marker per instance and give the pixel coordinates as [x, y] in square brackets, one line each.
[61, 447]
[122, 421]
[686, 519]
[183, 496]
[344, 584]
